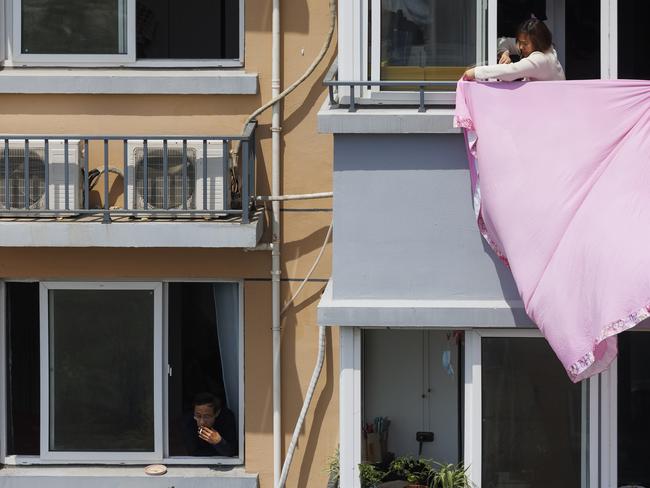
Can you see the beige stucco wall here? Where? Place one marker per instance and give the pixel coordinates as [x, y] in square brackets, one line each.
[307, 160]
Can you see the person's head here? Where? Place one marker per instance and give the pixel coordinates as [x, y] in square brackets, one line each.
[206, 408]
[533, 35]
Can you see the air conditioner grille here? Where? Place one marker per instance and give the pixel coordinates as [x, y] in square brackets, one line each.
[17, 179]
[155, 177]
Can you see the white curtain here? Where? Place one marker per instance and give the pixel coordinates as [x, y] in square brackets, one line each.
[226, 303]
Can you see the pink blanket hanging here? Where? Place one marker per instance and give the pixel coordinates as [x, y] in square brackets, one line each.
[561, 183]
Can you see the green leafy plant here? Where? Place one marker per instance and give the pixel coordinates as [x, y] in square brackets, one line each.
[415, 471]
[370, 475]
[333, 469]
[450, 476]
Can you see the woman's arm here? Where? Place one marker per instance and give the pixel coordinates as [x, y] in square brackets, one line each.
[534, 66]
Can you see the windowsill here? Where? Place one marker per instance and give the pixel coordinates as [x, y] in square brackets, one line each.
[127, 81]
[382, 119]
[128, 476]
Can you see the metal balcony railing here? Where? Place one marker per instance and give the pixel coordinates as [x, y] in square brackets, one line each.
[332, 82]
[143, 176]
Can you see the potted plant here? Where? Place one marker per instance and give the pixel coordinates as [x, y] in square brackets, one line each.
[370, 475]
[417, 472]
[450, 476]
[333, 470]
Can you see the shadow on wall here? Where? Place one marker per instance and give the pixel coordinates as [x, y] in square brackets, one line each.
[294, 16]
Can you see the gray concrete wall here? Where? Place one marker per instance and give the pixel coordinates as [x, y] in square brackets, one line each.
[404, 226]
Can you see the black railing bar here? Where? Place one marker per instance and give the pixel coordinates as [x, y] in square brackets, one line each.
[165, 176]
[46, 161]
[58, 137]
[245, 191]
[422, 108]
[253, 188]
[66, 174]
[248, 132]
[413, 83]
[7, 196]
[26, 174]
[353, 107]
[333, 70]
[184, 175]
[205, 175]
[86, 175]
[225, 187]
[107, 217]
[145, 161]
[251, 169]
[125, 180]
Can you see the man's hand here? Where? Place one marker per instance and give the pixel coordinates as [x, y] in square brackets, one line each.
[210, 436]
[469, 75]
[505, 58]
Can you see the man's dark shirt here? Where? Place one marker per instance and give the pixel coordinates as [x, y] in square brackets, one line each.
[224, 424]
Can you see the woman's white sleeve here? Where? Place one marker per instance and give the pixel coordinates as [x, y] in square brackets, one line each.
[534, 66]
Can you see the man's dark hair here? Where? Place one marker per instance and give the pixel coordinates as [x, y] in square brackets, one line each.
[206, 398]
[538, 34]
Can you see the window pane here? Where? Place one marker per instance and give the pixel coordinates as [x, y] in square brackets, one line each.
[73, 26]
[187, 29]
[633, 408]
[427, 39]
[101, 370]
[633, 39]
[532, 417]
[204, 356]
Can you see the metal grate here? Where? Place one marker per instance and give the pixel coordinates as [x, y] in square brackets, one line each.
[16, 196]
[156, 178]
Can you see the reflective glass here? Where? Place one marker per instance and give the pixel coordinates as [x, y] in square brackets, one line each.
[101, 370]
[427, 39]
[532, 417]
[73, 26]
[633, 408]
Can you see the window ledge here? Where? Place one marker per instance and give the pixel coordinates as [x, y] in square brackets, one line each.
[125, 476]
[374, 119]
[127, 81]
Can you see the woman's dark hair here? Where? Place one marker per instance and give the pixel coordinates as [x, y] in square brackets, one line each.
[538, 34]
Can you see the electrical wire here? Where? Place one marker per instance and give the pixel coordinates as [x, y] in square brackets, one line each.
[304, 282]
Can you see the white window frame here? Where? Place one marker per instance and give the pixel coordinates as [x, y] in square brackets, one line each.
[15, 58]
[161, 393]
[375, 59]
[83, 457]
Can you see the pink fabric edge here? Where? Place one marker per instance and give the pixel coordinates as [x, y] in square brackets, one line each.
[576, 370]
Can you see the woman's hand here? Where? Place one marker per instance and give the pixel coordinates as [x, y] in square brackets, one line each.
[469, 75]
[505, 58]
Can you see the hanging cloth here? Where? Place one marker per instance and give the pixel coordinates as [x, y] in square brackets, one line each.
[560, 175]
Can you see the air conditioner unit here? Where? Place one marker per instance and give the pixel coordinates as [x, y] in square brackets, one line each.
[36, 161]
[216, 185]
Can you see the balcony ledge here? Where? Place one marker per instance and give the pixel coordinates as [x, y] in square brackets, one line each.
[127, 81]
[378, 119]
[445, 313]
[124, 476]
[129, 233]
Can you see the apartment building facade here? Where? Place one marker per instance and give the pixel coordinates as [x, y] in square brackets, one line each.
[135, 261]
[433, 332]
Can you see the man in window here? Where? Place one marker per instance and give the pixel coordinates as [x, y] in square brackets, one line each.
[212, 431]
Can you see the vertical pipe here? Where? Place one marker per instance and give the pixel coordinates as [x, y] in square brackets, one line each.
[165, 175]
[184, 175]
[275, 248]
[145, 179]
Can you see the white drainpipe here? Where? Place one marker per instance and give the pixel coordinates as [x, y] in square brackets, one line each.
[275, 250]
